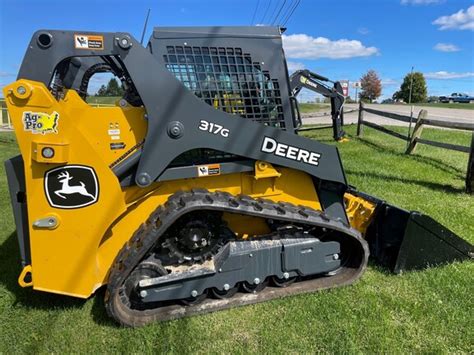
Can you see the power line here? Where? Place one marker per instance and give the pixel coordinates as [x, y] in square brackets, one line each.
[297, 3]
[291, 13]
[255, 12]
[266, 10]
[273, 12]
[286, 11]
[278, 13]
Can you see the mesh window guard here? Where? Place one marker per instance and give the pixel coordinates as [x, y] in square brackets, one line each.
[228, 80]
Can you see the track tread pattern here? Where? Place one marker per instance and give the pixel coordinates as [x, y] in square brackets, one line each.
[183, 202]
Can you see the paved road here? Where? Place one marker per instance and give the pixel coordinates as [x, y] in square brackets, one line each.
[437, 113]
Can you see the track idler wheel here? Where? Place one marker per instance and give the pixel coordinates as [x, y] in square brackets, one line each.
[145, 270]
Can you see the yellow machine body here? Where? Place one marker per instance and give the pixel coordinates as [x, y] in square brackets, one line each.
[74, 256]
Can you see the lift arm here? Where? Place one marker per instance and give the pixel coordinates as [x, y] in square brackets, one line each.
[306, 79]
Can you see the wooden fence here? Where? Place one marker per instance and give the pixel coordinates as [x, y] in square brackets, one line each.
[413, 139]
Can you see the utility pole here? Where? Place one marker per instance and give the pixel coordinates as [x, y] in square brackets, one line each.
[411, 109]
[356, 85]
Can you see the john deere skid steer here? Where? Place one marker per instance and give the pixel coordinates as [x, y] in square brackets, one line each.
[193, 193]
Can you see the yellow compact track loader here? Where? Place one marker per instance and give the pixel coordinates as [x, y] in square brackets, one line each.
[193, 193]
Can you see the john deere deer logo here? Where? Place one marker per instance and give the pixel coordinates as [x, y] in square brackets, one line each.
[71, 186]
[67, 189]
[40, 122]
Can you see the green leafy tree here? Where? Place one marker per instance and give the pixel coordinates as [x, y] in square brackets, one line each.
[102, 91]
[349, 100]
[371, 86]
[112, 89]
[419, 91]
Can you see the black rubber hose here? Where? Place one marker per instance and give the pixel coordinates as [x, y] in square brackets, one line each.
[96, 68]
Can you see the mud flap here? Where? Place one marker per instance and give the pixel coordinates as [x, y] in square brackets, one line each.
[401, 240]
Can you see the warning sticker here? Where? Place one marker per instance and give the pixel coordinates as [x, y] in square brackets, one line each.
[117, 146]
[209, 170]
[88, 42]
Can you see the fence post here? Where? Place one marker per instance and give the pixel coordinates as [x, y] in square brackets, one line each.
[470, 169]
[360, 121]
[417, 131]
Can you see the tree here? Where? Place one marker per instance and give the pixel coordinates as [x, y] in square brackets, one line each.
[349, 100]
[102, 91]
[433, 99]
[112, 89]
[371, 86]
[419, 90]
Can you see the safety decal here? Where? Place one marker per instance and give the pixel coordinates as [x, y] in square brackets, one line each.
[88, 42]
[209, 170]
[71, 186]
[40, 122]
[114, 134]
[117, 146]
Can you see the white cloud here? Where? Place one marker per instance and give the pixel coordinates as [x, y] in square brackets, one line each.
[294, 66]
[363, 31]
[420, 2]
[446, 47]
[448, 75]
[307, 47]
[461, 20]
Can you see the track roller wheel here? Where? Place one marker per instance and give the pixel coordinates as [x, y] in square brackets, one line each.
[255, 287]
[191, 301]
[282, 282]
[216, 293]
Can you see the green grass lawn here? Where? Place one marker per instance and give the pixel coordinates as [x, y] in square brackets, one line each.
[422, 312]
[311, 107]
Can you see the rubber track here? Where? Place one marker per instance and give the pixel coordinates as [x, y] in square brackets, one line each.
[184, 202]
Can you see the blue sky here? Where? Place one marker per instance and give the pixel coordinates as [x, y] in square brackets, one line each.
[339, 39]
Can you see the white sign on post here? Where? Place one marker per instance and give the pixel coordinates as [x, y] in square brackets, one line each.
[345, 87]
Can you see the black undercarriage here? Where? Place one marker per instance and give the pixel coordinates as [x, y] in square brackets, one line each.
[197, 260]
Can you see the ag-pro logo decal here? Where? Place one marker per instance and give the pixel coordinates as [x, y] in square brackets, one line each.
[71, 186]
[40, 122]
